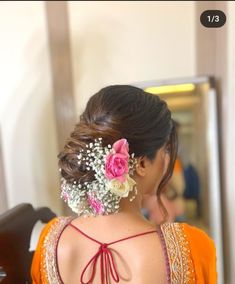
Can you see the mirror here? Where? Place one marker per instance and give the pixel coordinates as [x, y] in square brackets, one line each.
[194, 108]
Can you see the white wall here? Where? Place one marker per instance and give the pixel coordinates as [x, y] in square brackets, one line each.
[26, 106]
[230, 135]
[115, 42]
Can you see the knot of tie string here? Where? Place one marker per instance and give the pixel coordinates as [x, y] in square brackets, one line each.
[107, 265]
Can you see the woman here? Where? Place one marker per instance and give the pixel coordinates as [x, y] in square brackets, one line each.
[123, 147]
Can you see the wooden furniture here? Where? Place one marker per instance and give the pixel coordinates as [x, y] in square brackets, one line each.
[16, 227]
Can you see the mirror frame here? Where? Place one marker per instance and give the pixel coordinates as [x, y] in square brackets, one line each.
[210, 109]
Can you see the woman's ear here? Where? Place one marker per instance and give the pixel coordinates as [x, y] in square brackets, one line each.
[166, 161]
[141, 166]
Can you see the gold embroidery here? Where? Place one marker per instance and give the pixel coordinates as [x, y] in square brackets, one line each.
[48, 259]
[178, 251]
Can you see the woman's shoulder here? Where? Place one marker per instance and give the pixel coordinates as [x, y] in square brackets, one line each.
[57, 223]
[191, 247]
[202, 244]
[199, 239]
[44, 258]
[53, 227]
[187, 231]
[191, 235]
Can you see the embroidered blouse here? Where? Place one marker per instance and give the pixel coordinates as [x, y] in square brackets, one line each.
[186, 259]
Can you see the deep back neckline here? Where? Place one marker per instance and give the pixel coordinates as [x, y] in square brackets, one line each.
[107, 263]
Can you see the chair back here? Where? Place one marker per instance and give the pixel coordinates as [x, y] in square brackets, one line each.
[16, 227]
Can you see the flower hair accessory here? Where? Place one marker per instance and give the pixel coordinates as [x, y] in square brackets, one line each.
[113, 168]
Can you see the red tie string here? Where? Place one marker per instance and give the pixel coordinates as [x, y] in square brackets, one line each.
[106, 264]
[106, 259]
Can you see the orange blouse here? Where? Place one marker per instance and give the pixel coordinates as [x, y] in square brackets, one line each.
[188, 260]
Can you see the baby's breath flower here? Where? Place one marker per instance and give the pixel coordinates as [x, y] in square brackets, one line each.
[102, 195]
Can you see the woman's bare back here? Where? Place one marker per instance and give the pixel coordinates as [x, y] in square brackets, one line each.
[138, 260]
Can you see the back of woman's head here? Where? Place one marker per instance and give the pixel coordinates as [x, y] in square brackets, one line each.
[121, 111]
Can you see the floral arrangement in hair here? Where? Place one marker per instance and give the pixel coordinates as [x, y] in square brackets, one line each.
[113, 167]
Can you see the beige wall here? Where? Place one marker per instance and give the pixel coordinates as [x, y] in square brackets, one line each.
[119, 42]
[26, 106]
[116, 42]
[229, 132]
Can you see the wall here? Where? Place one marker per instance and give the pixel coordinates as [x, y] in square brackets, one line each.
[117, 42]
[229, 139]
[120, 42]
[26, 106]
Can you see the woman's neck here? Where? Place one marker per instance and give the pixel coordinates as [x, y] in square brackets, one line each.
[129, 213]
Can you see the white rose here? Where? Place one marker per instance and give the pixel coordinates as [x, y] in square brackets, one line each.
[121, 189]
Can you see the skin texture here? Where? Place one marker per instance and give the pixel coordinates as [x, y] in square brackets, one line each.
[139, 260]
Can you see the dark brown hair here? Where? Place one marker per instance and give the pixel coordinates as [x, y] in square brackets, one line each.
[122, 111]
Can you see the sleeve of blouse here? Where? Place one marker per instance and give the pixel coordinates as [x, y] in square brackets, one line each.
[203, 252]
[36, 271]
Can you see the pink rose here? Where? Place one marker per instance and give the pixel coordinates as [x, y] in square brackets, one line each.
[116, 164]
[121, 146]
